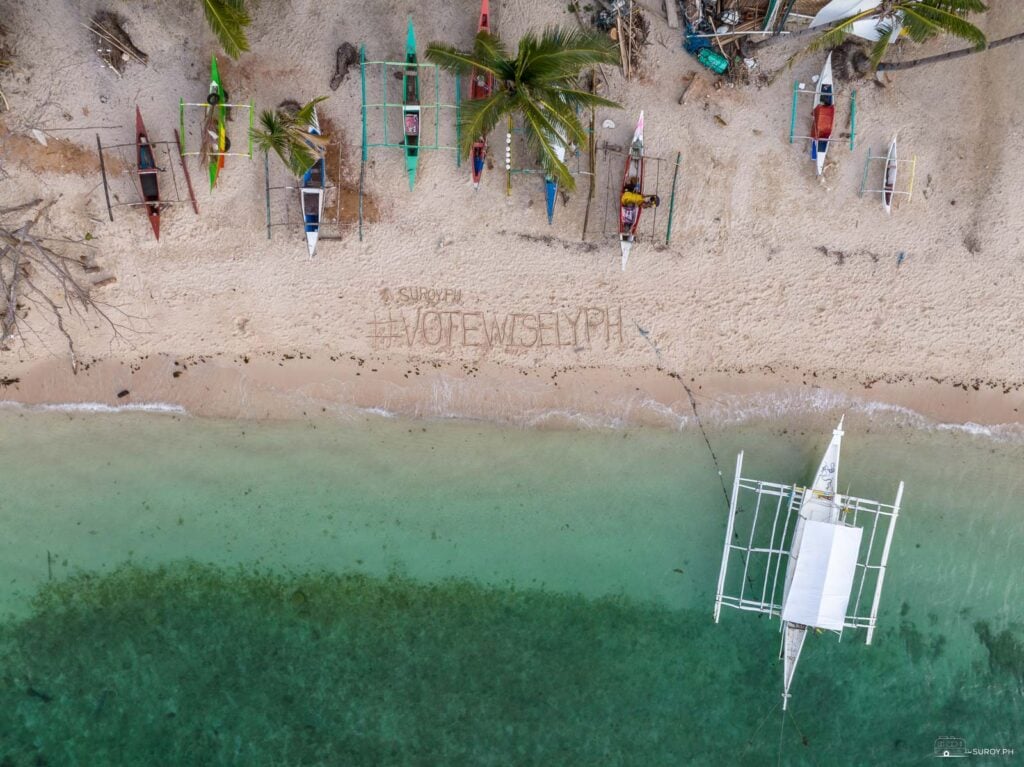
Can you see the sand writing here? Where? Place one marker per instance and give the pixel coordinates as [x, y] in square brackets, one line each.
[410, 296]
[582, 327]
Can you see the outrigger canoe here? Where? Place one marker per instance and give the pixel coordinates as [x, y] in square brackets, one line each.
[632, 182]
[311, 193]
[481, 85]
[217, 126]
[889, 185]
[823, 116]
[147, 173]
[411, 106]
[550, 182]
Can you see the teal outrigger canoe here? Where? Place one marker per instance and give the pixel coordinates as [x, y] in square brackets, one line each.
[411, 106]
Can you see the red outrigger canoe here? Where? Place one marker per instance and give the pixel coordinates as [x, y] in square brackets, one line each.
[481, 85]
[632, 181]
[147, 173]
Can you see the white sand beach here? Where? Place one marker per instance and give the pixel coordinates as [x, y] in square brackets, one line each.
[468, 302]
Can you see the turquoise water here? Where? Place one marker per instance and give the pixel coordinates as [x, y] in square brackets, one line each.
[376, 591]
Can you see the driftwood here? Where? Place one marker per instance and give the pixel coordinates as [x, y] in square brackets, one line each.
[635, 33]
[6, 60]
[37, 279]
[113, 45]
[345, 58]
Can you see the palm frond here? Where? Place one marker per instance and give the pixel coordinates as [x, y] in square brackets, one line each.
[454, 59]
[270, 136]
[881, 46]
[924, 20]
[585, 99]
[542, 135]
[560, 54]
[480, 117]
[305, 114]
[228, 20]
[961, 7]
[489, 47]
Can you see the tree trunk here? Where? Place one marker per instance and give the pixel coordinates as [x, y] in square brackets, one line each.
[893, 66]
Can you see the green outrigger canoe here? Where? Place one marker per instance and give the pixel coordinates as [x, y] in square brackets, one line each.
[217, 99]
[411, 106]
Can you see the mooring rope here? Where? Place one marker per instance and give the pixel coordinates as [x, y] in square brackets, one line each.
[704, 433]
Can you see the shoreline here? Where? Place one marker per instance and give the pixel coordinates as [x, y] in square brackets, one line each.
[293, 386]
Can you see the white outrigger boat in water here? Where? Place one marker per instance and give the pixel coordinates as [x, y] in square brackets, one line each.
[829, 559]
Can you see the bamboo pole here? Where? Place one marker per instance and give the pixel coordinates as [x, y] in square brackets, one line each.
[672, 199]
[591, 154]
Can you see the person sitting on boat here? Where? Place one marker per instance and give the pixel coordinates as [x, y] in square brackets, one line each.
[631, 199]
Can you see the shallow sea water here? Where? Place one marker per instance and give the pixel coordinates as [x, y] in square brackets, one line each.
[380, 591]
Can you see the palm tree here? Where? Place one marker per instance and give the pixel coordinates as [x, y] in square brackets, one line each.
[228, 20]
[920, 20]
[540, 84]
[285, 132]
[895, 65]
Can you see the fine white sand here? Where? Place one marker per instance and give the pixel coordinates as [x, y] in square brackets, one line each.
[773, 278]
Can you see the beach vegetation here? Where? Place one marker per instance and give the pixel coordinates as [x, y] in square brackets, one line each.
[285, 132]
[228, 20]
[540, 84]
[918, 20]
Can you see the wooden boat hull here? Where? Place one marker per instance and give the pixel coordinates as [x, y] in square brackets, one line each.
[480, 87]
[629, 215]
[411, 107]
[146, 164]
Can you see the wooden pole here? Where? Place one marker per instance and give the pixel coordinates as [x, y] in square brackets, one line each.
[672, 199]
[184, 168]
[103, 172]
[672, 14]
[624, 59]
[591, 154]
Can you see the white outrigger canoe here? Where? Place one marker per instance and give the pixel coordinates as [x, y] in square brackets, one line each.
[823, 115]
[889, 185]
[311, 193]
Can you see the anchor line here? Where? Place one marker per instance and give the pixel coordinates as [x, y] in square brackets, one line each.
[700, 425]
[714, 458]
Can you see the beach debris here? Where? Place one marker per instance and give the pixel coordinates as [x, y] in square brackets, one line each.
[6, 61]
[721, 121]
[123, 393]
[345, 58]
[626, 23]
[899, 258]
[113, 45]
[687, 83]
[608, 124]
[35, 275]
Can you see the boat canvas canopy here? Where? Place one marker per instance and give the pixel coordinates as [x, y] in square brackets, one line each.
[823, 577]
[823, 118]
